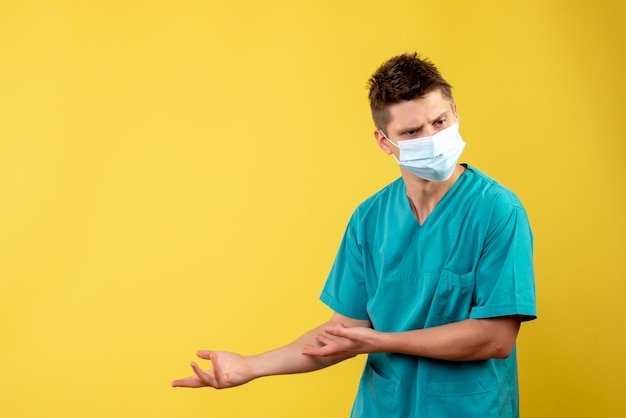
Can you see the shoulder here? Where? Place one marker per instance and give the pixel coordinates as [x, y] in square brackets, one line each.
[377, 209]
[490, 190]
[382, 198]
[492, 197]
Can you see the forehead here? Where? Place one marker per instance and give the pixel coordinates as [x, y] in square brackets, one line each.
[418, 111]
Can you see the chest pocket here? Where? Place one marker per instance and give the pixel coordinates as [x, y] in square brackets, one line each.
[452, 298]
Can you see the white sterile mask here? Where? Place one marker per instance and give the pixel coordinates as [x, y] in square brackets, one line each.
[432, 157]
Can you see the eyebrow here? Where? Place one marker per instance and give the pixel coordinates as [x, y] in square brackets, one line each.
[417, 128]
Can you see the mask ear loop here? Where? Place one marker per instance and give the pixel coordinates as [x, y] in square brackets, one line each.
[391, 142]
[388, 140]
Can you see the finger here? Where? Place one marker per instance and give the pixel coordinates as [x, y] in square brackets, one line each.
[204, 377]
[337, 331]
[313, 351]
[187, 382]
[326, 351]
[220, 378]
[324, 339]
[204, 354]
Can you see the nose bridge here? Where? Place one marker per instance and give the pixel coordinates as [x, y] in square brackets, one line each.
[428, 130]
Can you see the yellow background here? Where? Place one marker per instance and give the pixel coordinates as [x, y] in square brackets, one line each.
[177, 175]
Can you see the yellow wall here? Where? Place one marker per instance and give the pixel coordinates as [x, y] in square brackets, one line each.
[177, 175]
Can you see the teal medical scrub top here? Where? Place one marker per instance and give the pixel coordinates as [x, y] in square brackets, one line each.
[472, 258]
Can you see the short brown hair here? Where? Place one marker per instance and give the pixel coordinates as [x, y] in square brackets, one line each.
[401, 78]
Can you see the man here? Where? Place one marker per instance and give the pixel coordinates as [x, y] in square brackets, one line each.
[432, 280]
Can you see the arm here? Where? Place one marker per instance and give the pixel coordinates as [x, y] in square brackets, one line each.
[230, 369]
[504, 295]
[472, 339]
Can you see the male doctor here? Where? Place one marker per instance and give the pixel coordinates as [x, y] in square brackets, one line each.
[432, 280]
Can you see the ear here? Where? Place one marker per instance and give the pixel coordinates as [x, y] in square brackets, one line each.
[382, 142]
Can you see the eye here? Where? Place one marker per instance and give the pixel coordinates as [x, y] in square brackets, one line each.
[412, 133]
[439, 122]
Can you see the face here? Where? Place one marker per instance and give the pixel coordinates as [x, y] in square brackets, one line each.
[417, 118]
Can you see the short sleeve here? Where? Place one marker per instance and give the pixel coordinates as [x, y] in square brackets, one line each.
[344, 291]
[505, 280]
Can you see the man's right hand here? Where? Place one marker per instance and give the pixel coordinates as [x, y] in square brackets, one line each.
[228, 370]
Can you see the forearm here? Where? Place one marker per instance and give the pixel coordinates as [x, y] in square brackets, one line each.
[472, 339]
[289, 358]
[231, 369]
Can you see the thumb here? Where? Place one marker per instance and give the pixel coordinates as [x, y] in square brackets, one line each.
[204, 354]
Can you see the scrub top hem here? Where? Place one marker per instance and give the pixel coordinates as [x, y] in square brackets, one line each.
[341, 309]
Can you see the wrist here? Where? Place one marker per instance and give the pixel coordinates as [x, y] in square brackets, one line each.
[391, 342]
[258, 367]
[383, 342]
